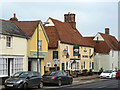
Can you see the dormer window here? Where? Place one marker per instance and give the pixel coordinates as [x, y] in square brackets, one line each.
[9, 42]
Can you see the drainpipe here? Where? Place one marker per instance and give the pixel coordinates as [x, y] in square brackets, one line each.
[37, 49]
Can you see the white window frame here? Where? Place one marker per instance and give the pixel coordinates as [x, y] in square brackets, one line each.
[8, 41]
[84, 64]
[112, 53]
[67, 46]
[4, 67]
[90, 51]
[40, 45]
[90, 65]
[67, 67]
[77, 68]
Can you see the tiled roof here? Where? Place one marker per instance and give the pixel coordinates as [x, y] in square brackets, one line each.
[101, 47]
[28, 27]
[110, 42]
[9, 28]
[66, 34]
[53, 36]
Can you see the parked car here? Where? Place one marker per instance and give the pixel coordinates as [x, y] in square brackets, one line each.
[118, 74]
[57, 77]
[108, 74]
[24, 80]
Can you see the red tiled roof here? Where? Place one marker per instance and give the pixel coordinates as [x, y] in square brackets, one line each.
[28, 27]
[53, 36]
[110, 42]
[101, 47]
[66, 34]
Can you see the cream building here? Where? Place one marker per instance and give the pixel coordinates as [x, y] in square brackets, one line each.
[13, 49]
[68, 50]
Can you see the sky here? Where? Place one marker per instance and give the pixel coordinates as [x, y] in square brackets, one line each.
[92, 16]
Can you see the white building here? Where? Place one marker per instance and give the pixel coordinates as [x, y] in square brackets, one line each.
[106, 51]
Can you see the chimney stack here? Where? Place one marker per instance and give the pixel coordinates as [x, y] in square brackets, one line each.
[107, 31]
[70, 18]
[14, 18]
[14, 15]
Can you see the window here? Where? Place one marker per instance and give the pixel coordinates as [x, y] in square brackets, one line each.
[84, 65]
[90, 65]
[67, 65]
[48, 64]
[85, 56]
[9, 41]
[3, 66]
[40, 45]
[17, 65]
[55, 54]
[78, 65]
[112, 53]
[67, 48]
[90, 52]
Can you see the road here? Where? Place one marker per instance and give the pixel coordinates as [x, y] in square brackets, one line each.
[109, 84]
[113, 83]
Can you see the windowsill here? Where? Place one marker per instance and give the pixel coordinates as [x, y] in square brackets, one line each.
[3, 75]
[9, 47]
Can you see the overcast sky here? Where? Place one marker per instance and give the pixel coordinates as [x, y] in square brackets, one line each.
[91, 16]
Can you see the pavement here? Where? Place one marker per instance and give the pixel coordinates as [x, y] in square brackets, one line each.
[77, 81]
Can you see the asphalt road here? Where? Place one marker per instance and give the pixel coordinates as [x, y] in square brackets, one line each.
[112, 84]
[109, 84]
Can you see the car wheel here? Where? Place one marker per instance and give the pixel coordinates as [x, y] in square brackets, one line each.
[40, 85]
[25, 86]
[59, 83]
[70, 82]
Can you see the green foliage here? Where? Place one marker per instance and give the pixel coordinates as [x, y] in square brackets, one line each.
[90, 70]
[101, 70]
[85, 72]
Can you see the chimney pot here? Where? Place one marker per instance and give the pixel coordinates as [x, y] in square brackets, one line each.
[68, 12]
[14, 15]
[106, 30]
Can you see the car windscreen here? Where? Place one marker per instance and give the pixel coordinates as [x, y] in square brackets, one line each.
[51, 73]
[107, 72]
[20, 75]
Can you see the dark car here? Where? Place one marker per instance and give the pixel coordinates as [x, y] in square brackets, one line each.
[57, 77]
[24, 80]
[118, 74]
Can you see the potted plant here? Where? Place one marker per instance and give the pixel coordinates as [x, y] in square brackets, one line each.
[84, 72]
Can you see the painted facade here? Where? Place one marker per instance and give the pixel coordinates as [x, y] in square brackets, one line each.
[64, 53]
[13, 50]
[32, 49]
[79, 64]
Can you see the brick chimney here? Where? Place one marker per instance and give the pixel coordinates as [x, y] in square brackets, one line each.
[106, 30]
[14, 18]
[70, 18]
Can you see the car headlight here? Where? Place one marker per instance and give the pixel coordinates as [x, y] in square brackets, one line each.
[5, 81]
[19, 81]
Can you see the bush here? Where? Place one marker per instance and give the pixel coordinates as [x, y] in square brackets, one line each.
[101, 70]
[90, 72]
[85, 73]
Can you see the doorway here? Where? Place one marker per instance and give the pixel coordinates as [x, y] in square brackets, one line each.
[10, 66]
[63, 66]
